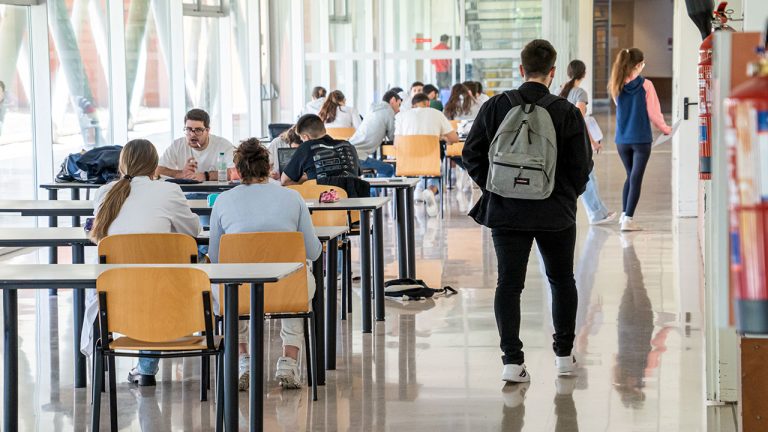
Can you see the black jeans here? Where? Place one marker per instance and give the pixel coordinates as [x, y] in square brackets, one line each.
[512, 251]
[635, 158]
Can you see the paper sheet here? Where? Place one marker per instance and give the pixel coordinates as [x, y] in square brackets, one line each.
[593, 128]
[661, 139]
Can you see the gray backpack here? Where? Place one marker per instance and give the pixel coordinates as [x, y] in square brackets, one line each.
[523, 152]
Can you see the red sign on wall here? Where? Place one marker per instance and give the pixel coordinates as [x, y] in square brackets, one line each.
[422, 40]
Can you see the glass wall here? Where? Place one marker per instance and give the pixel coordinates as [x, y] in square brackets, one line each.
[202, 65]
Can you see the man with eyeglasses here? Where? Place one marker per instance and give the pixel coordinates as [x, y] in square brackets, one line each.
[194, 156]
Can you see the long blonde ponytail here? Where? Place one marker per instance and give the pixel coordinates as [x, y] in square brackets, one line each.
[626, 60]
[138, 158]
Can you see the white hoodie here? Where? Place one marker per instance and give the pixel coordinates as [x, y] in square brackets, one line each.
[313, 107]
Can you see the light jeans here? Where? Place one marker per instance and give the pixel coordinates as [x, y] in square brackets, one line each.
[382, 168]
[291, 332]
[591, 199]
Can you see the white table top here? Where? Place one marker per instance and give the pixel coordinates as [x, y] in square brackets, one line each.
[38, 276]
[393, 182]
[350, 204]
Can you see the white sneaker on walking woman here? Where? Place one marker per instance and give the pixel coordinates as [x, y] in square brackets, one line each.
[629, 224]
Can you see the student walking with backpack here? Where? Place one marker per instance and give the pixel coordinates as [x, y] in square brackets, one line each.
[637, 106]
[529, 152]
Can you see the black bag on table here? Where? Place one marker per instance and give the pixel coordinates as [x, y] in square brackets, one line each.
[97, 166]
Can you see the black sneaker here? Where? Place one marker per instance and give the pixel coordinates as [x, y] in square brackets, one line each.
[134, 377]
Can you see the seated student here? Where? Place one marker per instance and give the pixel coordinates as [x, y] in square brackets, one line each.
[462, 104]
[479, 94]
[319, 156]
[136, 203]
[416, 88]
[423, 120]
[434, 97]
[195, 155]
[318, 98]
[287, 139]
[377, 125]
[336, 114]
[258, 205]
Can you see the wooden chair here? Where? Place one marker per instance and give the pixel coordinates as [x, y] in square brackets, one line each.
[452, 151]
[455, 125]
[340, 133]
[419, 156]
[157, 248]
[154, 309]
[285, 299]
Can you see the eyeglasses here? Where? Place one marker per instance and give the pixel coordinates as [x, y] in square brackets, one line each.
[196, 131]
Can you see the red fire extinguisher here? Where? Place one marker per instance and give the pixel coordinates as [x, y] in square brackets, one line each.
[746, 136]
[719, 19]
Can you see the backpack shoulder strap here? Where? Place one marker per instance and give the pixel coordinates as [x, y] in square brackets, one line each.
[514, 98]
[547, 100]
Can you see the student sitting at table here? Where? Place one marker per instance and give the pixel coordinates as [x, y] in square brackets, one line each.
[433, 94]
[336, 114]
[136, 203]
[423, 120]
[377, 125]
[462, 104]
[287, 139]
[260, 206]
[318, 99]
[319, 156]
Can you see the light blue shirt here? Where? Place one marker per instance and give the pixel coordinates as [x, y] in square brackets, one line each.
[262, 208]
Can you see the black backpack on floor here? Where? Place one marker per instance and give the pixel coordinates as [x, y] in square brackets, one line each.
[413, 289]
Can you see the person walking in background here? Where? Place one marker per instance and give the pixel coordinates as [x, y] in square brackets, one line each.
[443, 66]
[637, 106]
[335, 113]
[597, 213]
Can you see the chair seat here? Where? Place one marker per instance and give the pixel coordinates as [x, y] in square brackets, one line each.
[189, 343]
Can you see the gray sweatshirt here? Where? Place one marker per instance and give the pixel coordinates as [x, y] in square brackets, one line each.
[379, 123]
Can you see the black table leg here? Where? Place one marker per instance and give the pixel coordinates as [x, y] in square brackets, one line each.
[402, 242]
[53, 221]
[230, 358]
[378, 262]
[318, 307]
[330, 304]
[11, 361]
[344, 286]
[256, 385]
[75, 197]
[409, 232]
[365, 268]
[78, 310]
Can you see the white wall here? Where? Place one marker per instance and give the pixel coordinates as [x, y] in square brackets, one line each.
[652, 31]
[755, 14]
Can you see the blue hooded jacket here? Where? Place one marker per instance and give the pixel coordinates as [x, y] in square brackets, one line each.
[632, 123]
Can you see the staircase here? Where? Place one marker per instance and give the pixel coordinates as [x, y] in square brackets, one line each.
[500, 25]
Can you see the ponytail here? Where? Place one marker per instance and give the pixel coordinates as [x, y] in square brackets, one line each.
[330, 107]
[626, 60]
[138, 158]
[577, 70]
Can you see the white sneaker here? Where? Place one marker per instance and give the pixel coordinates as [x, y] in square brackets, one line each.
[430, 201]
[515, 373]
[566, 365]
[288, 373]
[621, 219]
[606, 220]
[244, 378]
[630, 225]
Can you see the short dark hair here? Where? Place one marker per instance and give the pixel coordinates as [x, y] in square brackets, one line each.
[396, 89]
[445, 38]
[319, 92]
[196, 114]
[391, 94]
[310, 124]
[429, 88]
[417, 84]
[479, 86]
[419, 98]
[538, 58]
[252, 160]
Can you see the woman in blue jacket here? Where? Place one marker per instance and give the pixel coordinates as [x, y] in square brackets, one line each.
[637, 106]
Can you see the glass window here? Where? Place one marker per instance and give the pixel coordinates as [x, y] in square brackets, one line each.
[202, 67]
[16, 134]
[147, 72]
[240, 71]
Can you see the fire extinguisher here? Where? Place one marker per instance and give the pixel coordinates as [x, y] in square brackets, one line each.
[746, 136]
[720, 17]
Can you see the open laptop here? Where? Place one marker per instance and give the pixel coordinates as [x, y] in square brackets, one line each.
[284, 156]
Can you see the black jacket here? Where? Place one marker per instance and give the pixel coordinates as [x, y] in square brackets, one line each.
[574, 163]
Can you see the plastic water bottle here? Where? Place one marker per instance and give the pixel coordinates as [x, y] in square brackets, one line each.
[221, 166]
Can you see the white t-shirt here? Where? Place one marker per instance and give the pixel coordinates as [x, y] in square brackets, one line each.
[346, 117]
[422, 121]
[176, 156]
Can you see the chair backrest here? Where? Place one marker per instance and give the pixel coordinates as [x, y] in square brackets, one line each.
[310, 190]
[454, 149]
[340, 133]
[417, 155]
[276, 129]
[388, 151]
[155, 304]
[454, 125]
[288, 295]
[163, 248]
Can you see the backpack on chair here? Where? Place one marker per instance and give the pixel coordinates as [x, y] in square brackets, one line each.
[523, 153]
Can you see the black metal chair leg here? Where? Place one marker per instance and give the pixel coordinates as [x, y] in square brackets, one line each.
[112, 394]
[348, 276]
[97, 384]
[219, 393]
[313, 361]
[205, 375]
[344, 251]
[308, 353]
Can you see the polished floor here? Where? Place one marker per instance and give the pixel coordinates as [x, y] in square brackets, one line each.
[435, 365]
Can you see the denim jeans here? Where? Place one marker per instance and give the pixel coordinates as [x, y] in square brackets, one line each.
[591, 199]
[382, 168]
[512, 251]
[148, 366]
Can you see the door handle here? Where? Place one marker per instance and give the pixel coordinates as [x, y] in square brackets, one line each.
[686, 104]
